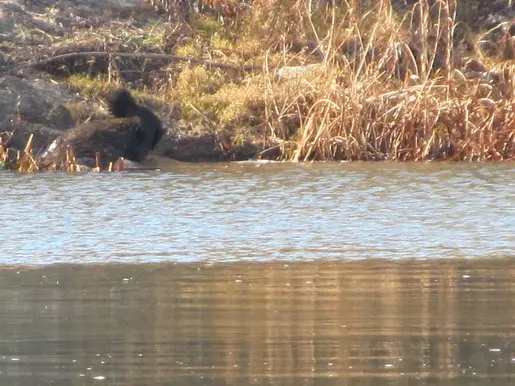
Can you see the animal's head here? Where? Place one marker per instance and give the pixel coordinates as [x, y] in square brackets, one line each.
[122, 104]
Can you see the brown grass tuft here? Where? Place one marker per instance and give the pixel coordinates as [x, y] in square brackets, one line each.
[24, 161]
[392, 89]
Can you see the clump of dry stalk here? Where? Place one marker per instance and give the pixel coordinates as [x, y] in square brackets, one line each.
[391, 89]
[25, 161]
[13, 159]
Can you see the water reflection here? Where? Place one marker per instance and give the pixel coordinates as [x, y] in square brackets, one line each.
[371, 322]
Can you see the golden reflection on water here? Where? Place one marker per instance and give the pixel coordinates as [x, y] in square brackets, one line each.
[370, 322]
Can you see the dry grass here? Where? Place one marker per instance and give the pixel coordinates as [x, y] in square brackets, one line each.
[341, 79]
[24, 160]
[360, 82]
[391, 89]
[13, 159]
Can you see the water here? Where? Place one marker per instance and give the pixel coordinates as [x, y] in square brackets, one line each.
[260, 274]
[260, 212]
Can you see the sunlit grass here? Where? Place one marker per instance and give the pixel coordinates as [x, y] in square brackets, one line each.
[347, 80]
[381, 86]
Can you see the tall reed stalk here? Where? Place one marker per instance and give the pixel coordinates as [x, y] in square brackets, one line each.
[390, 89]
[25, 161]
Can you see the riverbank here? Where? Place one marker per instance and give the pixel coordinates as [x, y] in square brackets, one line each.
[381, 81]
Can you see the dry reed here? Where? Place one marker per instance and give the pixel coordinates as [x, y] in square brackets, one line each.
[24, 161]
[391, 89]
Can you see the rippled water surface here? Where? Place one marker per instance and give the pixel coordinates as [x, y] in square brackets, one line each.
[260, 274]
[260, 212]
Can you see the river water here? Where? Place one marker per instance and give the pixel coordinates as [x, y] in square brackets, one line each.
[260, 274]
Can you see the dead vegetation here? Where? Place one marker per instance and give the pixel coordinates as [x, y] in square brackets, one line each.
[357, 81]
[25, 161]
[393, 89]
[329, 80]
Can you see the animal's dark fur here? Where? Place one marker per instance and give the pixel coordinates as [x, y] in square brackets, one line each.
[122, 104]
[132, 133]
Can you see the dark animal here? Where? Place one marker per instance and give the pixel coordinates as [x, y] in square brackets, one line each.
[132, 133]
